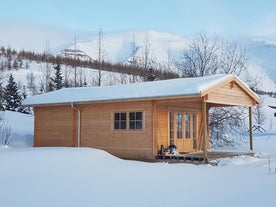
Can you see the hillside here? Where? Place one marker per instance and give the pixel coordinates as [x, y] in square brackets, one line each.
[165, 49]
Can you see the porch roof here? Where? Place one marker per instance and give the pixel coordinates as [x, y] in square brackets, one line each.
[180, 87]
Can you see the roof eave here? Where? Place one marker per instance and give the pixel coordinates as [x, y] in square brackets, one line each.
[114, 100]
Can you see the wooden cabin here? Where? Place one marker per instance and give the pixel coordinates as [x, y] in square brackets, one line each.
[134, 120]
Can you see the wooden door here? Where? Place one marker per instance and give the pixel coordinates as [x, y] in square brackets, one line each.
[183, 130]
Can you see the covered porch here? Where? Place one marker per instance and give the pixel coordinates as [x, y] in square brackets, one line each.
[226, 94]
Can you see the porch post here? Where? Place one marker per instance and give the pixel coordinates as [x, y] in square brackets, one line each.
[204, 133]
[250, 129]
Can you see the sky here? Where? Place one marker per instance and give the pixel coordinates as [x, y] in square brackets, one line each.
[183, 17]
[174, 16]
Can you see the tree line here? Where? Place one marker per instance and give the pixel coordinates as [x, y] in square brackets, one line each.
[15, 60]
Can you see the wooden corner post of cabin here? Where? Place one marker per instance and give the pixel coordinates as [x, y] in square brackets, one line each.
[250, 129]
[204, 131]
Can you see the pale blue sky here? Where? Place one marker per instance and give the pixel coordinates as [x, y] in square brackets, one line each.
[184, 17]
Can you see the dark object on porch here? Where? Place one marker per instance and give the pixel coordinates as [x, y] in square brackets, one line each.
[170, 151]
[198, 157]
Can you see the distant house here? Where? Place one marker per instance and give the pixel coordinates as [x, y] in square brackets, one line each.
[134, 120]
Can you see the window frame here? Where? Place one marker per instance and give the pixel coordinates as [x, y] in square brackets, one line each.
[119, 121]
[129, 121]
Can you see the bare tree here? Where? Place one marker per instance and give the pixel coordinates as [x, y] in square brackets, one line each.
[147, 53]
[226, 125]
[31, 83]
[100, 56]
[207, 55]
[5, 134]
[259, 114]
[5, 131]
[200, 58]
[134, 49]
[233, 58]
[75, 61]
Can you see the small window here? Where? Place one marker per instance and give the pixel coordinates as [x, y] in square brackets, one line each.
[135, 120]
[179, 124]
[171, 128]
[187, 126]
[275, 114]
[120, 120]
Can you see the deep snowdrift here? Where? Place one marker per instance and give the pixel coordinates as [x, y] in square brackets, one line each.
[88, 177]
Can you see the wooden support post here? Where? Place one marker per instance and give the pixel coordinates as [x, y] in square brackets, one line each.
[250, 129]
[204, 133]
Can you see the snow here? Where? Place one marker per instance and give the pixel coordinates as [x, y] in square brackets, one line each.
[22, 126]
[89, 177]
[155, 89]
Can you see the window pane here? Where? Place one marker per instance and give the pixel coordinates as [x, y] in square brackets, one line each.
[171, 127]
[132, 124]
[139, 125]
[132, 116]
[117, 116]
[116, 125]
[179, 134]
[123, 125]
[123, 116]
[179, 125]
[194, 125]
[187, 126]
[139, 115]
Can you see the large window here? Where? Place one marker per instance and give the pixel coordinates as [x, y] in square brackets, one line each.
[128, 120]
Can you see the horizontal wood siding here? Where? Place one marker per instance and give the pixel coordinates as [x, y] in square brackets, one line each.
[54, 126]
[230, 94]
[162, 127]
[97, 129]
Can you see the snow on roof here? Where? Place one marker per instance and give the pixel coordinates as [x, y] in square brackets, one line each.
[142, 90]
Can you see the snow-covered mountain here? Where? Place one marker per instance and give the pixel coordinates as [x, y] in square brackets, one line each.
[118, 47]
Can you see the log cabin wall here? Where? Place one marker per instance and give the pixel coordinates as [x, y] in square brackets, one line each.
[97, 129]
[55, 126]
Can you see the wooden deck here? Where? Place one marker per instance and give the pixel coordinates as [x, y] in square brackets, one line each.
[197, 157]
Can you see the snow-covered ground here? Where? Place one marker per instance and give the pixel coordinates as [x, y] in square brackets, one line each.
[88, 177]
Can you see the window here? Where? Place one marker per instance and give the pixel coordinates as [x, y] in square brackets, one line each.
[194, 131]
[135, 120]
[171, 128]
[128, 121]
[179, 124]
[187, 126]
[120, 120]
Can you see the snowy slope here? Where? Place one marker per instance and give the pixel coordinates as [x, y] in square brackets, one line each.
[117, 46]
[88, 177]
[66, 177]
[263, 54]
[165, 48]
